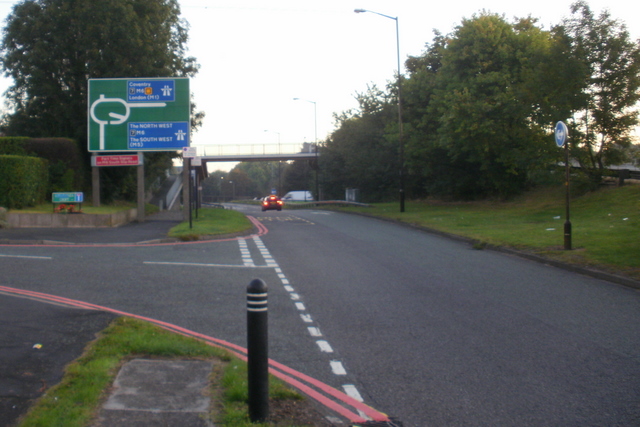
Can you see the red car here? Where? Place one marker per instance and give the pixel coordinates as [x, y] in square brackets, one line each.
[272, 202]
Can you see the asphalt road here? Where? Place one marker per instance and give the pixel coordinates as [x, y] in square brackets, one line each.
[423, 328]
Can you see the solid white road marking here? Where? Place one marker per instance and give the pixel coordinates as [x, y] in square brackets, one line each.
[192, 264]
[25, 256]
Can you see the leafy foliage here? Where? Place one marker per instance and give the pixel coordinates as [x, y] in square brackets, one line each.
[23, 181]
[480, 105]
[363, 152]
[602, 122]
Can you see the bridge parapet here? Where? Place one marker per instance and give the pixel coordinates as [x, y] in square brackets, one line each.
[257, 152]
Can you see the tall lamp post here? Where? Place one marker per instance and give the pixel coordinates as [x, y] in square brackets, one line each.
[400, 128]
[315, 139]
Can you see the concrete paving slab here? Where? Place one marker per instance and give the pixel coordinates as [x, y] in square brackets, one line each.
[159, 392]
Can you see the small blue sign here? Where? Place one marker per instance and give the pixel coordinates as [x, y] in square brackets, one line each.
[67, 197]
[151, 90]
[561, 133]
[154, 135]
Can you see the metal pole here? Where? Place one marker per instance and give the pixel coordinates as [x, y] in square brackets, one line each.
[400, 127]
[140, 181]
[567, 224]
[257, 350]
[190, 196]
[315, 134]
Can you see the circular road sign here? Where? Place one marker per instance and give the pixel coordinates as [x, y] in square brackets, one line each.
[561, 133]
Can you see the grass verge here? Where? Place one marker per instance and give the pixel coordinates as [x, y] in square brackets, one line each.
[211, 222]
[76, 400]
[605, 224]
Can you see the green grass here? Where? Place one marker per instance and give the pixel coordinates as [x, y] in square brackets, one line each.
[76, 400]
[235, 396]
[605, 224]
[211, 222]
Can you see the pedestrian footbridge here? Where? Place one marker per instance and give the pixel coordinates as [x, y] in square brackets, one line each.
[256, 152]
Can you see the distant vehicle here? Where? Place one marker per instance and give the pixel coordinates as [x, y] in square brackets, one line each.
[298, 196]
[272, 202]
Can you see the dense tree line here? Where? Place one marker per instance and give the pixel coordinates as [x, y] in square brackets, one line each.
[480, 105]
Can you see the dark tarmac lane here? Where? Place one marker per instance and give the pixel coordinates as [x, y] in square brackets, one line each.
[37, 341]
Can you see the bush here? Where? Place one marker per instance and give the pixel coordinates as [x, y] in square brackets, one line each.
[23, 181]
[67, 168]
[66, 164]
[13, 145]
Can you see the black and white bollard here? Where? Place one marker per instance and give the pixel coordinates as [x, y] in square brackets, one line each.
[257, 348]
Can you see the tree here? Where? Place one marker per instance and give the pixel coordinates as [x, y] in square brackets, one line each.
[52, 47]
[363, 151]
[488, 116]
[602, 124]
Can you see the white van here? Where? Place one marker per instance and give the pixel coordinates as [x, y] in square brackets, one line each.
[298, 196]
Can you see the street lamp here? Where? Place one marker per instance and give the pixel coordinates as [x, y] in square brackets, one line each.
[400, 128]
[315, 136]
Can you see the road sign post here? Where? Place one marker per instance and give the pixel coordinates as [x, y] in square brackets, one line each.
[139, 114]
[562, 139]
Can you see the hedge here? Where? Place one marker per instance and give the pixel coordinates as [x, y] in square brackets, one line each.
[66, 165]
[23, 181]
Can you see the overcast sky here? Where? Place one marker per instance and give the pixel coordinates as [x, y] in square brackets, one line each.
[257, 56]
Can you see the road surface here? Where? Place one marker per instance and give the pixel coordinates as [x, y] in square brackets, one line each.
[420, 327]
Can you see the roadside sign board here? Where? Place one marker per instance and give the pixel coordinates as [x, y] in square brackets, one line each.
[189, 152]
[138, 114]
[67, 197]
[117, 160]
[561, 134]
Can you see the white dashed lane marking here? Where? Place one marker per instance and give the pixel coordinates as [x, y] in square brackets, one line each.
[323, 345]
[248, 261]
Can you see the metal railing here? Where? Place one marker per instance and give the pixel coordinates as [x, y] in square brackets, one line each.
[255, 149]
